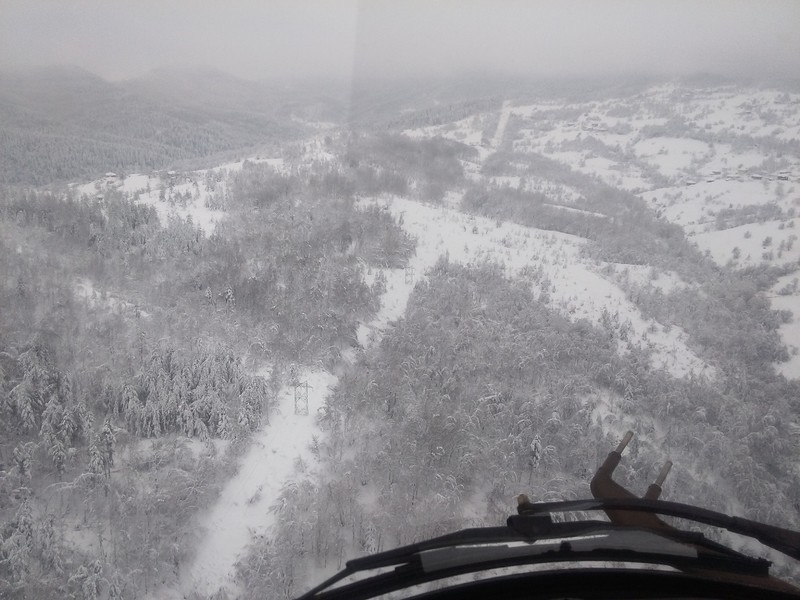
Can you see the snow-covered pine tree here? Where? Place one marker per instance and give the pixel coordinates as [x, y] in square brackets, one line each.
[70, 423]
[22, 400]
[48, 546]
[187, 421]
[108, 438]
[230, 299]
[50, 433]
[95, 456]
[21, 456]
[17, 548]
[87, 581]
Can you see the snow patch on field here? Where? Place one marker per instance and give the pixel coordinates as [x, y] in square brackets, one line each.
[627, 177]
[695, 207]
[468, 131]
[193, 209]
[756, 242]
[671, 156]
[644, 276]
[579, 211]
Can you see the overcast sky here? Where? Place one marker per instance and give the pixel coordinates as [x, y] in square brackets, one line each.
[275, 38]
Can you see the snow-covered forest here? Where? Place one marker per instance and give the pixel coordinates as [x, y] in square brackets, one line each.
[251, 331]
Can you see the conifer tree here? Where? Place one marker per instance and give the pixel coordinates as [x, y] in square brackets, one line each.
[17, 548]
[108, 438]
[48, 547]
[96, 465]
[22, 459]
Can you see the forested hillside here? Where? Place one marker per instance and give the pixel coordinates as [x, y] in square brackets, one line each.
[62, 123]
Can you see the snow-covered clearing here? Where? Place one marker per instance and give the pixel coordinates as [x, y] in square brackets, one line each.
[695, 207]
[192, 207]
[671, 156]
[756, 243]
[243, 510]
[644, 276]
[185, 194]
[578, 211]
[105, 300]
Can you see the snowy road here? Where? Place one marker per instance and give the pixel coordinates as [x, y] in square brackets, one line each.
[505, 114]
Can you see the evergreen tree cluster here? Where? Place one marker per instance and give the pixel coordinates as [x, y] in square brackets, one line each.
[203, 394]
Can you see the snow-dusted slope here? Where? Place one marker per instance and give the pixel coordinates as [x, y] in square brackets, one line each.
[551, 261]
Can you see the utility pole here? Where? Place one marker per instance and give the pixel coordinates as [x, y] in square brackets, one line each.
[301, 398]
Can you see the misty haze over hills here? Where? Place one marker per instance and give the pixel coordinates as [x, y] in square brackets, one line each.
[63, 122]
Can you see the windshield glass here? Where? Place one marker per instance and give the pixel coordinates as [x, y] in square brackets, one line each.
[284, 284]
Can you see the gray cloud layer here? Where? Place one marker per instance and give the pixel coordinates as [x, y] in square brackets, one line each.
[281, 38]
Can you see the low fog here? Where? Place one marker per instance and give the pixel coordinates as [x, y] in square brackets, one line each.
[342, 39]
